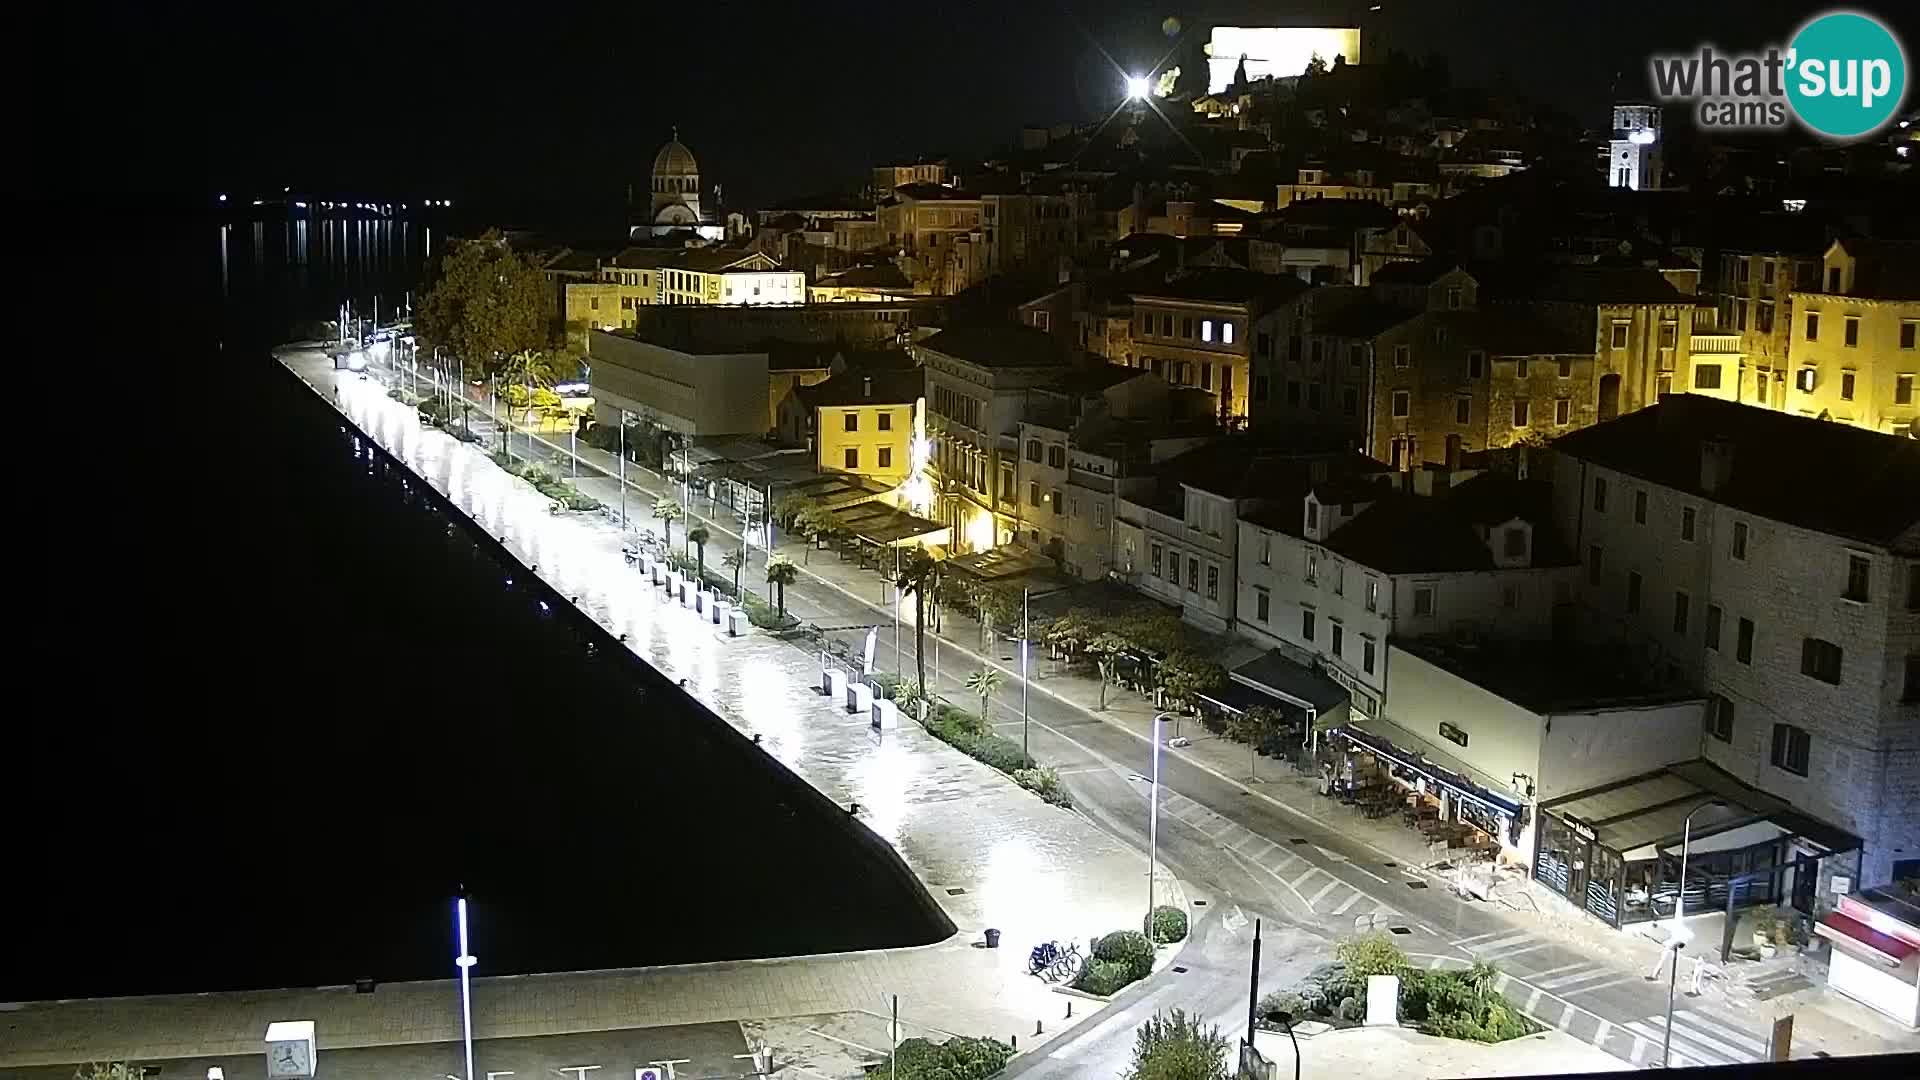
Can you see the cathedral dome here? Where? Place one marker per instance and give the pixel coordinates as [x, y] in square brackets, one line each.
[674, 159]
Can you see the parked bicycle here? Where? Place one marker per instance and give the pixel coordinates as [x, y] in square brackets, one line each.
[1053, 963]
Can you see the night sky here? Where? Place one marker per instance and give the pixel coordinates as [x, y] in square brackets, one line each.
[558, 104]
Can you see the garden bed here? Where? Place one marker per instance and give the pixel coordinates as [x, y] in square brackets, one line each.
[1454, 1004]
[967, 733]
[545, 483]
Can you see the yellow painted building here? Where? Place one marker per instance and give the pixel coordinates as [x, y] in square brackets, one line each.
[863, 422]
[1854, 355]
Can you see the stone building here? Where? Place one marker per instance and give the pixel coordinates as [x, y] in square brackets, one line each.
[1856, 339]
[1774, 563]
[1196, 330]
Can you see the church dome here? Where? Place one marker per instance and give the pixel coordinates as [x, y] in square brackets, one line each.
[674, 159]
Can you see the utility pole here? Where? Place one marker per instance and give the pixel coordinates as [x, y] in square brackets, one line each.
[1025, 625]
[1253, 983]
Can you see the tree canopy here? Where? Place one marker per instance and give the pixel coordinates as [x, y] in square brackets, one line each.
[487, 304]
[1175, 1046]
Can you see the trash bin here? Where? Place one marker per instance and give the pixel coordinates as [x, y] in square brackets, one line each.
[993, 939]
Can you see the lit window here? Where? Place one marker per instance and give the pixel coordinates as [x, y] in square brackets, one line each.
[1206, 329]
[1226, 332]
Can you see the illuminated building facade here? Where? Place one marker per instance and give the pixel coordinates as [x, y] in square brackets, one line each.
[864, 422]
[1855, 352]
[977, 380]
[1633, 156]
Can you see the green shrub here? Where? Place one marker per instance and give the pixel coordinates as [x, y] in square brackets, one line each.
[1166, 924]
[1001, 753]
[959, 1058]
[885, 684]
[1373, 954]
[1351, 1009]
[1129, 947]
[1283, 1001]
[766, 616]
[1044, 782]
[1103, 977]
[1175, 1046]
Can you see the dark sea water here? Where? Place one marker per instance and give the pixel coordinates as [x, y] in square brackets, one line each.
[281, 706]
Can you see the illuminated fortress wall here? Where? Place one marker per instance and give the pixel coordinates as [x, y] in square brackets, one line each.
[1280, 51]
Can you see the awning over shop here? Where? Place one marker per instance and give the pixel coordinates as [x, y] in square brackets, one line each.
[1238, 697]
[878, 523]
[1280, 677]
[1421, 765]
[834, 491]
[1864, 941]
[1649, 811]
[1001, 563]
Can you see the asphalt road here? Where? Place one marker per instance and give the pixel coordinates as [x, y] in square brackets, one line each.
[686, 1052]
[1306, 880]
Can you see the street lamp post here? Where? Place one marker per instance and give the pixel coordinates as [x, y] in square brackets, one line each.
[465, 961]
[1025, 626]
[1679, 929]
[623, 472]
[1153, 819]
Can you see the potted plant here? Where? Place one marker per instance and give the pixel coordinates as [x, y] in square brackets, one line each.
[1765, 925]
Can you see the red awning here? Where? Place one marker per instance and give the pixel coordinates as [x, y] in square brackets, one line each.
[1888, 950]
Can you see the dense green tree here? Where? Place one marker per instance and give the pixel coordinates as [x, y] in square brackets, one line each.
[486, 304]
[698, 537]
[1175, 1046]
[920, 574]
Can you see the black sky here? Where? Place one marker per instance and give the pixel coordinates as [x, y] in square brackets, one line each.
[562, 102]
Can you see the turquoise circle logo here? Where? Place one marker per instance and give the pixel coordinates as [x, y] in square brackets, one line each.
[1847, 74]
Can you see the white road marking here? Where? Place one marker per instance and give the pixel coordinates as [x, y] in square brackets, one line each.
[1497, 943]
[1237, 849]
[1347, 903]
[1567, 1013]
[1570, 989]
[1542, 977]
[1311, 870]
[1083, 1041]
[1600, 1034]
[1314, 900]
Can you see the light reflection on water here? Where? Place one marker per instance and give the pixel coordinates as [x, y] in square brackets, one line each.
[308, 267]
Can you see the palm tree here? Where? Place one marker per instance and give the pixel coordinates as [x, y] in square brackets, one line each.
[984, 683]
[735, 561]
[530, 370]
[698, 536]
[780, 573]
[668, 512]
[920, 575]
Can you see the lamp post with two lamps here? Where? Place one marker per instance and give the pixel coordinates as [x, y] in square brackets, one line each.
[1153, 818]
[465, 961]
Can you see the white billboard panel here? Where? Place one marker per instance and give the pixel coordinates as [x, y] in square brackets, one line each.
[1279, 51]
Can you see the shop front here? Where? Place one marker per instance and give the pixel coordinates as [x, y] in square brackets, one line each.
[1470, 821]
[1614, 850]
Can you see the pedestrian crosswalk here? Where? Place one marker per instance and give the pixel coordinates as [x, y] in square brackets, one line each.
[1700, 1037]
[1285, 864]
[1544, 962]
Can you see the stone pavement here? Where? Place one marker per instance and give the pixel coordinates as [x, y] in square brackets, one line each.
[990, 852]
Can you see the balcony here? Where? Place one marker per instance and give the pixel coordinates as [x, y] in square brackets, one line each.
[1714, 343]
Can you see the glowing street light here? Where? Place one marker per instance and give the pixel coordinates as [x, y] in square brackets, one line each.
[1137, 87]
[465, 961]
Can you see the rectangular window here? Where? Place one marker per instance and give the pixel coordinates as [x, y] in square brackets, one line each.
[1909, 329]
[1366, 657]
[1213, 582]
[1226, 333]
[1791, 748]
[1633, 591]
[1206, 329]
[1056, 457]
[1402, 356]
[1339, 638]
[1166, 326]
[1859, 572]
[1402, 404]
[1476, 364]
[1766, 272]
[1339, 579]
[1680, 611]
[1850, 331]
[1720, 718]
[1639, 508]
[1262, 604]
[1714, 615]
[1154, 556]
[1306, 624]
[853, 457]
[1373, 594]
[853, 421]
[1263, 343]
[1462, 408]
[1423, 599]
[886, 457]
[1619, 340]
[1313, 569]
[1813, 326]
[1706, 376]
[1193, 574]
[1206, 376]
[1600, 494]
[886, 421]
[1566, 367]
[1033, 493]
[1515, 541]
[1669, 334]
[1186, 327]
[1594, 557]
[1686, 523]
[1903, 389]
[1453, 299]
[1293, 392]
[1266, 549]
[1059, 501]
[1820, 660]
[1520, 412]
[1846, 386]
[1520, 367]
[1743, 642]
[1740, 540]
[1509, 596]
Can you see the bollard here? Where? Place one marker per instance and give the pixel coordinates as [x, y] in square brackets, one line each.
[1036, 1029]
[1069, 1008]
[1015, 1041]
